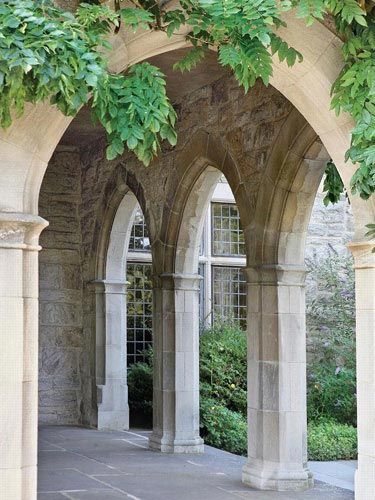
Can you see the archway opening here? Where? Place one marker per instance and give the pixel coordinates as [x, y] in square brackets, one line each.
[139, 320]
[223, 308]
[210, 247]
[330, 334]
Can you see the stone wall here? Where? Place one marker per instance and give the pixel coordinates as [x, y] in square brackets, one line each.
[61, 341]
[330, 229]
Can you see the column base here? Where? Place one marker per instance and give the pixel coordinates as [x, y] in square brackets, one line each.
[269, 478]
[113, 420]
[170, 445]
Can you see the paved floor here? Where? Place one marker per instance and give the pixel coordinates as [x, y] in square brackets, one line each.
[86, 464]
[339, 473]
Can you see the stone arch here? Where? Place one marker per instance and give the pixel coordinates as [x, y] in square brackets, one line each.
[176, 292]
[27, 148]
[296, 165]
[276, 361]
[111, 212]
[110, 323]
[290, 182]
[201, 162]
[110, 301]
[276, 309]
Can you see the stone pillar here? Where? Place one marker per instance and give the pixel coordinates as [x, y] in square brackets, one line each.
[19, 234]
[176, 364]
[364, 263]
[277, 434]
[111, 376]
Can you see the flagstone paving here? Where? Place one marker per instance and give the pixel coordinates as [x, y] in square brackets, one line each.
[86, 464]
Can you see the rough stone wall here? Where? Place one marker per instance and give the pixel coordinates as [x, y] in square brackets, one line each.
[330, 229]
[61, 342]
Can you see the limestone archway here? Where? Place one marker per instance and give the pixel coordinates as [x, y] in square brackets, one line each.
[176, 325]
[111, 335]
[25, 150]
[277, 451]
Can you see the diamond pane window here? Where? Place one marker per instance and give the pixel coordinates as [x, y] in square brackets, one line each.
[139, 238]
[227, 235]
[229, 294]
[139, 311]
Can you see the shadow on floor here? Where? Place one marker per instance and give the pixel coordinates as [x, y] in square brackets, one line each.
[86, 464]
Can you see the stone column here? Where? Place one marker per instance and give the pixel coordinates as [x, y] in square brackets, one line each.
[19, 235]
[111, 376]
[364, 263]
[176, 364]
[277, 456]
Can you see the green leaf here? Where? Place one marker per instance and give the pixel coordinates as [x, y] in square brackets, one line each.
[111, 152]
[333, 185]
[190, 60]
[136, 18]
[132, 142]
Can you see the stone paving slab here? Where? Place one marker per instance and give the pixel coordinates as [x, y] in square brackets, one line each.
[54, 460]
[65, 479]
[83, 464]
[339, 473]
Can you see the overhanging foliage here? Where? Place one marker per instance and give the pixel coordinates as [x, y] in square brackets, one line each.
[46, 53]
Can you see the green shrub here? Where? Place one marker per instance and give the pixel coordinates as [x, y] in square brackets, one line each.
[223, 366]
[331, 394]
[331, 372]
[223, 382]
[330, 318]
[140, 386]
[223, 428]
[328, 440]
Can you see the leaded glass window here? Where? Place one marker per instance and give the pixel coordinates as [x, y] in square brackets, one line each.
[229, 294]
[201, 272]
[139, 238]
[227, 234]
[139, 310]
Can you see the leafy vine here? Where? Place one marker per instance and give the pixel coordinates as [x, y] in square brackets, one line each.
[47, 53]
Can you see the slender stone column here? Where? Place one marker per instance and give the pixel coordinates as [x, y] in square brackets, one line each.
[19, 234]
[364, 263]
[176, 364]
[277, 457]
[113, 407]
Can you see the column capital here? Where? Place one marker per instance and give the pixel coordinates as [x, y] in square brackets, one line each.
[363, 253]
[177, 281]
[110, 286]
[20, 230]
[275, 274]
